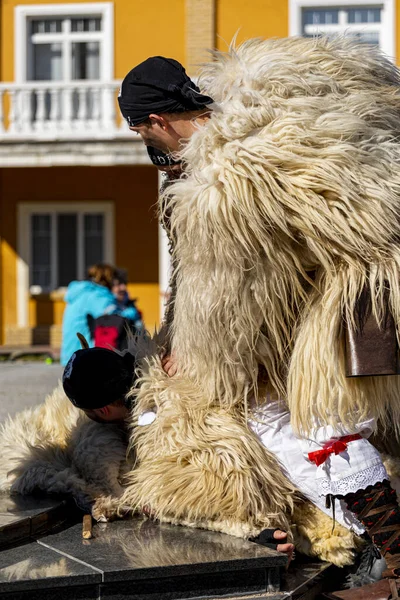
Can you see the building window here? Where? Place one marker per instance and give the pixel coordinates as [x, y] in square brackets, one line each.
[362, 23]
[59, 242]
[77, 239]
[65, 49]
[365, 20]
[64, 42]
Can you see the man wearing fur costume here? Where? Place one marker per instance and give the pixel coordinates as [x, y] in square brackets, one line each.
[286, 233]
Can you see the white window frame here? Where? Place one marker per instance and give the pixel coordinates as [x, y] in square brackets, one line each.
[23, 13]
[388, 39]
[25, 211]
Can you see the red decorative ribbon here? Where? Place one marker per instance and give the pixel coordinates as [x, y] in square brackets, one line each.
[336, 447]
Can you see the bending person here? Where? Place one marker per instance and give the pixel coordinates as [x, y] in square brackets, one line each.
[166, 109]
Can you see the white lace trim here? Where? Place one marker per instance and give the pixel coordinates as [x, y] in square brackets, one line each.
[352, 483]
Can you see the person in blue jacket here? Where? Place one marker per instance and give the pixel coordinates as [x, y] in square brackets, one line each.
[90, 297]
[126, 304]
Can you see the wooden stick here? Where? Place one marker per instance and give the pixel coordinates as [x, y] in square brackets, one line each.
[87, 527]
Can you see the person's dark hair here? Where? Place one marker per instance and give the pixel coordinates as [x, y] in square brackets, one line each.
[102, 273]
[96, 377]
[121, 275]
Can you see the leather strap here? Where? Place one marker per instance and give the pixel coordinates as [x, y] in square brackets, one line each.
[379, 526]
[370, 505]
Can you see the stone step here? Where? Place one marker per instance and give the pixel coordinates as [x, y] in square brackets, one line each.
[22, 517]
[137, 559]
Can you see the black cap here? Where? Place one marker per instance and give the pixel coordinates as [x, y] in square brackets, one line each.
[96, 377]
[160, 158]
[158, 85]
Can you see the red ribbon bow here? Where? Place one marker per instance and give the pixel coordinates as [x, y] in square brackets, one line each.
[336, 447]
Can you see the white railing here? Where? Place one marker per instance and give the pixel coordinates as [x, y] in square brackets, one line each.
[51, 110]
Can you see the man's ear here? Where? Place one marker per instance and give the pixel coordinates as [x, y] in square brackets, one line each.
[159, 120]
[105, 411]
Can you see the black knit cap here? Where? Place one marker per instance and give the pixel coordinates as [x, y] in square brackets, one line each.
[95, 377]
[160, 158]
[158, 85]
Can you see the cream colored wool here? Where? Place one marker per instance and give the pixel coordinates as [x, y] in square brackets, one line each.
[55, 448]
[297, 169]
[202, 467]
[315, 536]
[223, 480]
[392, 466]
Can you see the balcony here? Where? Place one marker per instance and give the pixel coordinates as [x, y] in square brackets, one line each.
[58, 123]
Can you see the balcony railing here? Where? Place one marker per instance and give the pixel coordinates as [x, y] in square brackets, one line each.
[51, 110]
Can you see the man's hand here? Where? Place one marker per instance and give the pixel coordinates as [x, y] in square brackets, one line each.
[271, 538]
[286, 548]
[169, 365]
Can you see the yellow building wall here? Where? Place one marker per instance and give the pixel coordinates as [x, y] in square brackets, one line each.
[141, 29]
[8, 262]
[250, 18]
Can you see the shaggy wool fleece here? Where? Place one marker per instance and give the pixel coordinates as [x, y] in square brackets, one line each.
[297, 170]
[55, 448]
[203, 467]
[223, 480]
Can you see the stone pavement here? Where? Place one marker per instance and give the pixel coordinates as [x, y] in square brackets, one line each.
[17, 352]
[24, 384]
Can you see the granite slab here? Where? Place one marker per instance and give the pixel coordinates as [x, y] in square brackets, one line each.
[187, 587]
[138, 559]
[13, 529]
[33, 567]
[27, 506]
[80, 592]
[308, 577]
[25, 516]
[142, 549]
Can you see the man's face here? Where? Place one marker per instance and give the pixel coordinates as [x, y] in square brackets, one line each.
[166, 132]
[112, 413]
[153, 135]
[119, 290]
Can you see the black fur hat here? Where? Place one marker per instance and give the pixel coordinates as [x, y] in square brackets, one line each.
[96, 377]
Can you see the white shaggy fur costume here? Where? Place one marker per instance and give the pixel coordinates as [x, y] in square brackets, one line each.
[55, 448]
[296, 172]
